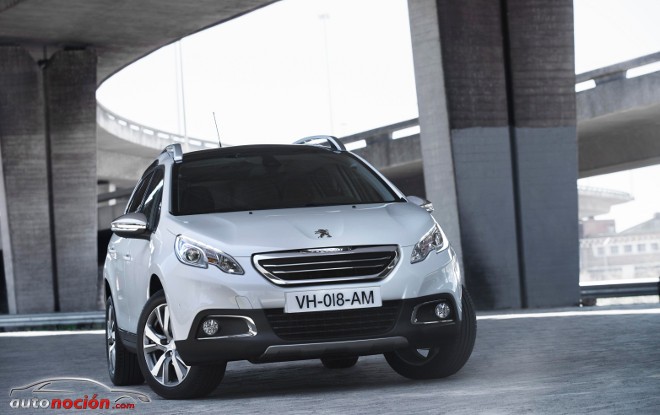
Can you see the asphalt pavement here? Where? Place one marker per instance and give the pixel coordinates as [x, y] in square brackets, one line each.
[569, 361]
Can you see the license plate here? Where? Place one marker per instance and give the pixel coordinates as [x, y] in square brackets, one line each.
[327, 300]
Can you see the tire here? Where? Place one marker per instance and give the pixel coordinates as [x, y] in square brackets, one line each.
[123, 367]
[444, 359]
[173, 379]
[339, 362]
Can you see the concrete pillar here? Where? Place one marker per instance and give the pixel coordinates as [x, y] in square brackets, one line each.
[24, 200]
[542, 106]
[495, 88]
[438, 165]
[70, 85]
[48, 203]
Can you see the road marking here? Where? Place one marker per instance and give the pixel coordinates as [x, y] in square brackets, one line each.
[569, 314]
[49, 333]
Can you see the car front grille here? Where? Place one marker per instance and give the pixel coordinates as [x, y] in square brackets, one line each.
[339, 324]
[327, 265]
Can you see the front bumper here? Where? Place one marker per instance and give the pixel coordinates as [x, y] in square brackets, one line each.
[193, 291]
[266, 345]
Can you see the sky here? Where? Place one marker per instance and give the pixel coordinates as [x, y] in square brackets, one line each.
[304, 67]
[269, 76]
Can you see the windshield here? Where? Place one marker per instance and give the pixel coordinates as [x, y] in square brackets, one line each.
[275, 178]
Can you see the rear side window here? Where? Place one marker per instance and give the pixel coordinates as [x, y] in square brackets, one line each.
[274, 179]
[151, 205]
[138, 194]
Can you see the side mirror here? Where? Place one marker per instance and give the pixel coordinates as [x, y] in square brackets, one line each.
[421, 202]
[130, 225]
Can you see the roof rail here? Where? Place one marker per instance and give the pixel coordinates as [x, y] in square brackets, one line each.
[325, 141]
[175, 151]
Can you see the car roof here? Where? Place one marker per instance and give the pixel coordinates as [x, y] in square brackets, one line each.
[257, 150]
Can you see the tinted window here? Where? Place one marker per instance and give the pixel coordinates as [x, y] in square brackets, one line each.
[138, 194]
[151, 205]
[284, 177]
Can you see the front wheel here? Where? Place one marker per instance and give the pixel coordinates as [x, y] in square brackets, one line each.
[123, 367]
[444, 359]
[160, 362]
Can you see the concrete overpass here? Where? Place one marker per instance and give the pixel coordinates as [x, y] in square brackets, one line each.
[498, 143]
[618, 125]
[619, 117]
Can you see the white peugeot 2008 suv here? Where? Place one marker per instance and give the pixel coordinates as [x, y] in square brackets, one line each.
[274, 253]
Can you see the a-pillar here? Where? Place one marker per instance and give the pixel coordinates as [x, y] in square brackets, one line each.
[495, 84]
[48, 187]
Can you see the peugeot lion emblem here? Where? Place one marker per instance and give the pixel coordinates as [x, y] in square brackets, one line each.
[322, 233]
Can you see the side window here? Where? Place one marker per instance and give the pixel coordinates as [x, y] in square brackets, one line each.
[154, 194]
[136, 200]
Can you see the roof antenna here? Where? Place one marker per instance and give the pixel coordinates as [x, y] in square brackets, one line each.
[216, 130]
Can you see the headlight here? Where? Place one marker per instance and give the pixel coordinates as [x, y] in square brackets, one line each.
[196, 254]
[432, 240]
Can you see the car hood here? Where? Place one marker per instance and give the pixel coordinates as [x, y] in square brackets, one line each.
[245, 233]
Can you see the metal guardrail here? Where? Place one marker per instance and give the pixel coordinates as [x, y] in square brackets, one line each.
[388, 132]
[623, 288]
[616, 71]
[51, 319]
[150, 137]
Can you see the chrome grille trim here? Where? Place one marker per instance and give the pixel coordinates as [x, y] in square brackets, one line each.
[321, 260]
[331, 262]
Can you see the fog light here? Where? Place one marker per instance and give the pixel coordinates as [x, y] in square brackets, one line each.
[442, 311]
[210, 327]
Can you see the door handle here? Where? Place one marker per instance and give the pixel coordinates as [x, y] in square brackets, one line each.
[128, 257]
[112, 252]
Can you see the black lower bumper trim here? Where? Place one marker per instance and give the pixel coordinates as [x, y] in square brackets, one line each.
[350, 347]
[267, 346]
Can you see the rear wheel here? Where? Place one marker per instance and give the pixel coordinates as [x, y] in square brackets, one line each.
[122, 364]
[339, 362]
[162, 366]
[444, 359]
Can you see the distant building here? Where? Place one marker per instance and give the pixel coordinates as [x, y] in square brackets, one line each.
[594, 201]
[633, 253]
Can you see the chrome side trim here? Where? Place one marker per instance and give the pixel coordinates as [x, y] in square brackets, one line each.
[413, 317]
[301, 253]
[252, 328]
[308, 350]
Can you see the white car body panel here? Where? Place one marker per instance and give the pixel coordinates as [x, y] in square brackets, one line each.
[190, 290]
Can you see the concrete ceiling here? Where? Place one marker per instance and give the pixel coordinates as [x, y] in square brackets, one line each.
[121, 31]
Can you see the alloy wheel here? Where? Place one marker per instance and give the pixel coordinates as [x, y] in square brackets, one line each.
[110, 332]
[163, 360]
